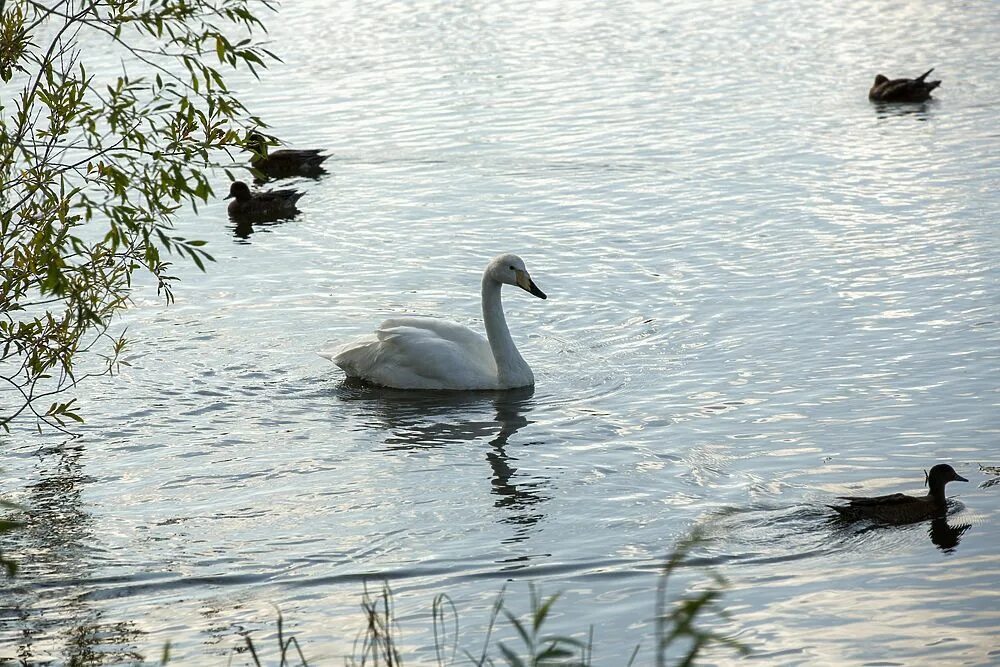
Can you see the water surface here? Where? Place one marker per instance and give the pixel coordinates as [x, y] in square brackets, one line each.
[763, 292]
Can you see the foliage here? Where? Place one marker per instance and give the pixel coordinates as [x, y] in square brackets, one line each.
[542, 650]
[110, 113]
[376, 644]
[284, 648]
[677, 625]
[675, 629]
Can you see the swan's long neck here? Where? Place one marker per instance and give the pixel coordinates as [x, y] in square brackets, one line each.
[512, 371]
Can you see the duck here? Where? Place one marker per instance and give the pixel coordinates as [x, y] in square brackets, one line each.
[285, 162]
[898, 508]
[261, 205]
[902, 90]
[435, 354]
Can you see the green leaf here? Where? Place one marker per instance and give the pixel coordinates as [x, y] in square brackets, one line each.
[525, 637]
[141, 147]
[512, 658]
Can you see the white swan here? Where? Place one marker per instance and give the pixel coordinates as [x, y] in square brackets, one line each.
[429, 353]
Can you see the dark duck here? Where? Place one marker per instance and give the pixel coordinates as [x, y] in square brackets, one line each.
[284, 162]
[261, 205]
[900, 508]
[902, 90]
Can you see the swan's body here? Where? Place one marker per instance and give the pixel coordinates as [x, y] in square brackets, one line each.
[430, 353]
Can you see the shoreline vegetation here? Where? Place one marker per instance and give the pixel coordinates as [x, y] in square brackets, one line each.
[95, 163]
[678, 635]
[679, 631]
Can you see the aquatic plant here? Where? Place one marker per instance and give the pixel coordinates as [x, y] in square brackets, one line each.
[676, 626]
[285, 646]
[678, 638]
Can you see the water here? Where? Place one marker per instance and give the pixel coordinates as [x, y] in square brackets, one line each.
[763, 292]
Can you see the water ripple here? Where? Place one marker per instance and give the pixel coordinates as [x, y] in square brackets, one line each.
[764, 292]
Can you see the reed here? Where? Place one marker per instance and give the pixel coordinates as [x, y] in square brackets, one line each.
[679, 637]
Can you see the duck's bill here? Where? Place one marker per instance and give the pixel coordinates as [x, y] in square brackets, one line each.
[959, 478]
[525, 282]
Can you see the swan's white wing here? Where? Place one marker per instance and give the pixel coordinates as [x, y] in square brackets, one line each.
[449, 331]
[421, 353]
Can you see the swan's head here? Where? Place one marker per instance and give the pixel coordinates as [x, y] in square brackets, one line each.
[509, 269]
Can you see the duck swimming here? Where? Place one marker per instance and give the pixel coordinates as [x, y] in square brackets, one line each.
[284, 162]
[900, 508]
[431, 353]
[261, 206]
[902, 90]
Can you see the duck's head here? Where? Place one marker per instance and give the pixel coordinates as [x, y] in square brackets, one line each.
[509, 269]
[239, 190]
[880, 79]
[257, 143]
[940, 475]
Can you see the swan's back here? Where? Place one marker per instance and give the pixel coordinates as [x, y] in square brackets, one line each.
[420, 353]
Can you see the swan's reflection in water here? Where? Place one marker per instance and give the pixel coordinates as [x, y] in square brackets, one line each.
[421, 420]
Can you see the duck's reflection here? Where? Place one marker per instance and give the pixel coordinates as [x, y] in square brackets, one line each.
[243, 229]
[919, 110]
[945, 535]
[418, 420]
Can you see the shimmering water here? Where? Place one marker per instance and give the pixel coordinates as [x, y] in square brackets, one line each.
[763, 292]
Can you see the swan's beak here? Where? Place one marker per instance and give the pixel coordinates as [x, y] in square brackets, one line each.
[525, 282]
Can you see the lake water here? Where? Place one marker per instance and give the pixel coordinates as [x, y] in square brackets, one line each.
[763, 292]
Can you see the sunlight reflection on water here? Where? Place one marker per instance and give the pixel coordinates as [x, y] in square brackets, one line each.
[764, 292]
